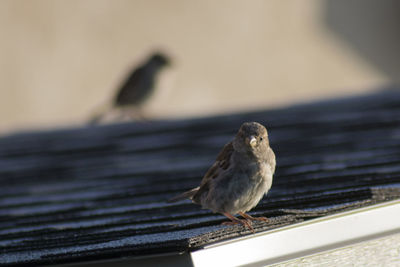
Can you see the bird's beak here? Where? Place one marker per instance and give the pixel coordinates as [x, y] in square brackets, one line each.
[252, 141]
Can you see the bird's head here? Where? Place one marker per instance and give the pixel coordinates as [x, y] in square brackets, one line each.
[159, 59]
[252, 138]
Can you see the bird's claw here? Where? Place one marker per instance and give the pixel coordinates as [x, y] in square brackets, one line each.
[251, 218]
[244, 222]
[262, 219]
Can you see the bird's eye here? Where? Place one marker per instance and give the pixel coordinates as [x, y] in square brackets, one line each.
[261, 138]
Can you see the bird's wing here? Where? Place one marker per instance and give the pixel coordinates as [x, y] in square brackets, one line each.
[271, 159]
[131, 87]
[221, 164]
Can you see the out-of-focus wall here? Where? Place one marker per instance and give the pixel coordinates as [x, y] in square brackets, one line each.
[60, 60]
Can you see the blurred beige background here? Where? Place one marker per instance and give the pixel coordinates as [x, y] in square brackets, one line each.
[60, 60]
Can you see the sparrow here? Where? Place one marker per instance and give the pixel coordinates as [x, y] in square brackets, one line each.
[138, 86]
[239, 178]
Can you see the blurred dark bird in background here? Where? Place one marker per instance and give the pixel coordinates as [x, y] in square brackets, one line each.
[136, 89]
[140, 84]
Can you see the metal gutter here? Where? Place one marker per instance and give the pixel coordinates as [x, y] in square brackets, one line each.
[303, 239]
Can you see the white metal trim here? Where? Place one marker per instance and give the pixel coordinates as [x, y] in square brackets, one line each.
[304, 238]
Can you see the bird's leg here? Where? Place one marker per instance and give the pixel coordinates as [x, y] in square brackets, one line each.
[251, 218]
[121, 114]
[140, 114]
[235, 220]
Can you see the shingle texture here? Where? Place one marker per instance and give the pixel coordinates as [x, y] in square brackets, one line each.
[75, 195]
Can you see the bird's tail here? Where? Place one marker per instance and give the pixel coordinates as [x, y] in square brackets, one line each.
[188, 194]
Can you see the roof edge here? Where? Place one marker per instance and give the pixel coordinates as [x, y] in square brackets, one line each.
[306, 238]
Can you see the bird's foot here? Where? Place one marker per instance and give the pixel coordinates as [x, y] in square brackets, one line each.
[251, 218]
[234, 221]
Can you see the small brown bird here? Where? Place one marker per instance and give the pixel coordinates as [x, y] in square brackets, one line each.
[239, 178]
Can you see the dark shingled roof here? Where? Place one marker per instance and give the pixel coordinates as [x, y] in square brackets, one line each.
[75, 195]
